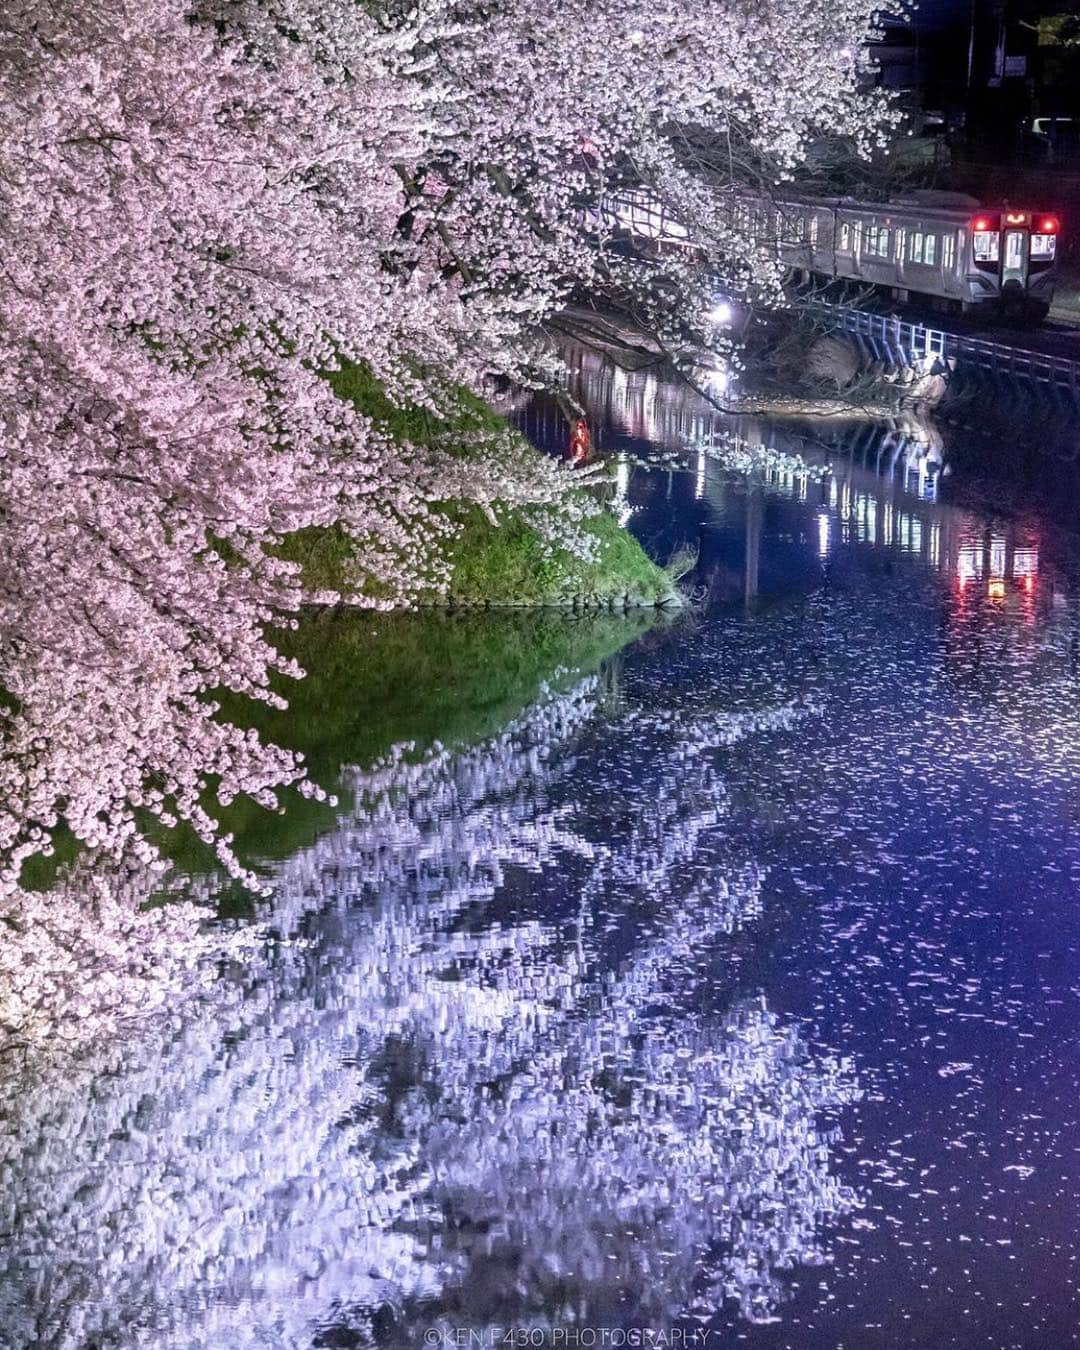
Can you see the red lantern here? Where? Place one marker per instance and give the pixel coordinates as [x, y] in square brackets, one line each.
[580, 441]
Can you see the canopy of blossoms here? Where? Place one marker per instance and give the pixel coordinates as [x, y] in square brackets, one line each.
[206, 206]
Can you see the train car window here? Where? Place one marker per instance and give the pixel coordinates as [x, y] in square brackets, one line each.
[877, 241]
[1043, 246]
[845, 238]
[986, 245]
[644, 222]
[813, 231]
[931, 249]
[856, 236]
[948, 251]
[898, 250]
[916, 247]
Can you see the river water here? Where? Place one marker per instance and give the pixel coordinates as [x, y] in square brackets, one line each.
[713, 982]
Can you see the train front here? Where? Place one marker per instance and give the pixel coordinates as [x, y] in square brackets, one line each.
[1013, 263]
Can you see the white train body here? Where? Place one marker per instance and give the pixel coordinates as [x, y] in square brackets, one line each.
[1001, 262]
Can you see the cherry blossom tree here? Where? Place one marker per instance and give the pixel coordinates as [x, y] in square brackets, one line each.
[203, 209]
[193, 227]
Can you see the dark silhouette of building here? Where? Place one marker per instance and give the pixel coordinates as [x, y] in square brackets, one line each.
[1003, 75]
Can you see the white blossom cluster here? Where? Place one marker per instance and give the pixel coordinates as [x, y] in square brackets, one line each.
[752, 457]
[85, 960]
[400, 1099]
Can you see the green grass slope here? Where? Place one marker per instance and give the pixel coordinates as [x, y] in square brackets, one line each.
[494, 565]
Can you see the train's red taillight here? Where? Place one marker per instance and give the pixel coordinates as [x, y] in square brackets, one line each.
[1048, 225]
[980, 223]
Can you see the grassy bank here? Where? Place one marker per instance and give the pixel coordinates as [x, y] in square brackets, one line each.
[491, 565]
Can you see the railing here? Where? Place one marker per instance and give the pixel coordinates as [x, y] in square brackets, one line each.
[900, 342]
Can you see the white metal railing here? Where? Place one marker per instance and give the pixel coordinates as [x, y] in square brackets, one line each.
[900, 338]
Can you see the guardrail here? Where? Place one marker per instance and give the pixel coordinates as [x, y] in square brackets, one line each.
[901, 342]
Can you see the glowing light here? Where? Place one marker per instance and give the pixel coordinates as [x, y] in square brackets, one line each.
[823, 535]
[995, 589]
[980, 224]
[1048, 225]
[580, 448]
[721, 313]
[699, 482]
[717, 381]
[621, 505]
[968, 563]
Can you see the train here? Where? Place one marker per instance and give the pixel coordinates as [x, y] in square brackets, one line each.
[996, 263]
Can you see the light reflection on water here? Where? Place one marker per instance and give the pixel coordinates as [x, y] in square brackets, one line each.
[734, 991]
[921, 841]
[868, 483]
[410, 1110]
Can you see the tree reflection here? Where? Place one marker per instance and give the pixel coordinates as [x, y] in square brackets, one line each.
[438, 1085]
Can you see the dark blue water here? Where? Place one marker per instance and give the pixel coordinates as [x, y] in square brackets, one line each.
[726, 995]
[919, 835]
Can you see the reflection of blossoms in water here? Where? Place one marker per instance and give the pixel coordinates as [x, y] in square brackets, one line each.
[417, 1095]
[87, 959]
